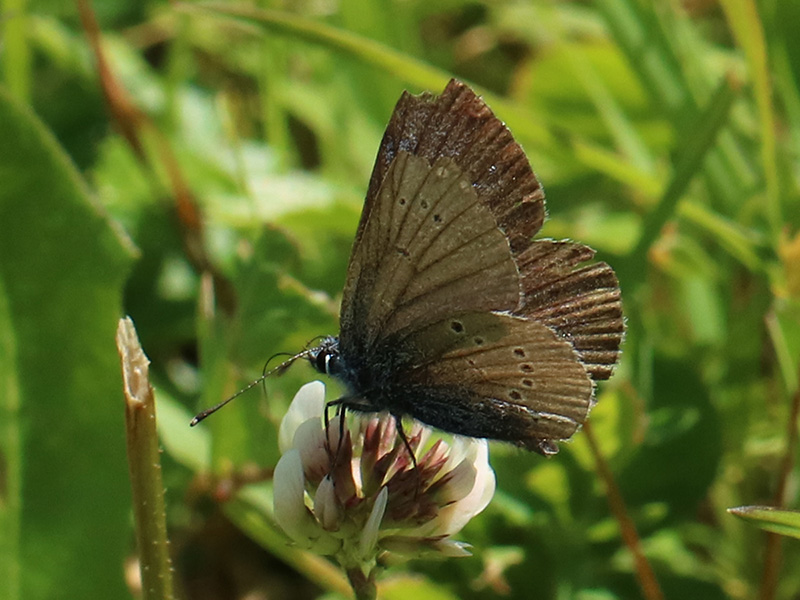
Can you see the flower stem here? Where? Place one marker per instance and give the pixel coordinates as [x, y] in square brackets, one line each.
[363, 586]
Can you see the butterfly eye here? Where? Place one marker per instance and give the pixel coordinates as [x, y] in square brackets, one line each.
[325, 357]
[332, 363]
[318, 360]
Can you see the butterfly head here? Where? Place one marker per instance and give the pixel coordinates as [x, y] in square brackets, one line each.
[325, 358]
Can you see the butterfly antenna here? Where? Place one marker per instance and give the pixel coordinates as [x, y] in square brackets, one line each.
[281, 367]
[314, 340]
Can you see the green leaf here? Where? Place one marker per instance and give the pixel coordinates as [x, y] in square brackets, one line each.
[64, 520]
[191, 447]
[785, 522]
[680, 454]
[408, 586]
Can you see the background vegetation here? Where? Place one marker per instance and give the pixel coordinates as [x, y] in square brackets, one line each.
[201, 168]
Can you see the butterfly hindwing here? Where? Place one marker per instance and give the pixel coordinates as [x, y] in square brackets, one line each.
[582, 304]
[532, 377]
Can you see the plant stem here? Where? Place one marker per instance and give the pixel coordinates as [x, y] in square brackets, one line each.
[145, 467]
[644, 572]
[773, 552]
[363, 586]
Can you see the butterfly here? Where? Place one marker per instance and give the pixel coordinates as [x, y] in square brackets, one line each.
[452, 313]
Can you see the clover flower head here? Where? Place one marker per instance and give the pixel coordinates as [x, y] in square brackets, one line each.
[361, 498]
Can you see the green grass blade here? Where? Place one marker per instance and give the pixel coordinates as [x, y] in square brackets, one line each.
[784, 522]
[402, 66]
[16, 53]
[668, 57]
[642, 41]
[739, 242]
[11, 450]
[612, 165]
[744, 21]
[688, 163]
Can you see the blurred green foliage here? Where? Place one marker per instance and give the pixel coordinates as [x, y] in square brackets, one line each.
[666, 136]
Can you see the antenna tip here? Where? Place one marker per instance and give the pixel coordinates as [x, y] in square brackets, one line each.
[199, 417]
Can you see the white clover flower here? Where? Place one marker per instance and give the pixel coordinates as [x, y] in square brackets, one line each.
[362, 498]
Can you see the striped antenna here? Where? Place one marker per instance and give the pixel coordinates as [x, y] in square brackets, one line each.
[281, 367]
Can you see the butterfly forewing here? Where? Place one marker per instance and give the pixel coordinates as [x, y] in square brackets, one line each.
[428, 245]
[458, 124]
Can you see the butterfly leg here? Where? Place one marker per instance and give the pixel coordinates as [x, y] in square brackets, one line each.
[341, 412]
[402, 433]
[342, 405]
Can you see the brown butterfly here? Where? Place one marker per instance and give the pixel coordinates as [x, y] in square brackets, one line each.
[451, 313]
